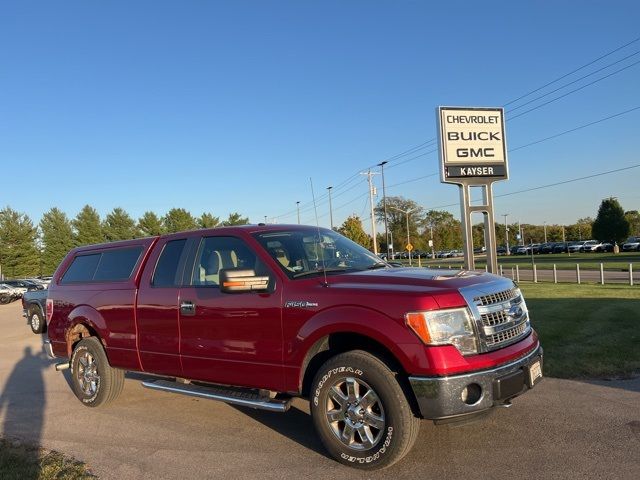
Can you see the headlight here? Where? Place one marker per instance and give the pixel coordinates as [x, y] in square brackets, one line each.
[444, 327]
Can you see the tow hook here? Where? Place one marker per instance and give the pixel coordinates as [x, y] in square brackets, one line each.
[506, 404]
[62, 366]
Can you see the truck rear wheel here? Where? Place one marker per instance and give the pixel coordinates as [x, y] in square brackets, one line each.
[36, 322]
[360, 411]
[95, 382]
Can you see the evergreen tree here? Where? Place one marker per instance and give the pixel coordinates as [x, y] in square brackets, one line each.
[207, 220]
[235, 219]
[352, 229]
[87, 226]
[150, 225]
[611, 224]
[19, 256]
[119, 226]
[633, 217]
[57, 239]
[178, 220]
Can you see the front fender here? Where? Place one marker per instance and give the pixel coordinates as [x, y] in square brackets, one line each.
[390, 333]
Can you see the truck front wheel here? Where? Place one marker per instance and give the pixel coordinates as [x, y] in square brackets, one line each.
[361, 413]
[95, 382]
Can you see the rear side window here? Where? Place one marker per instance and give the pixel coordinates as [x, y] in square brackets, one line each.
[109, 266]
[82, 268]
[166, 274]
[117, 265]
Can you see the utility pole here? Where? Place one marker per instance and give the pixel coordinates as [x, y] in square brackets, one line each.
[506, 233]
[369, 175]
[545, 231]
[384, 206]
[298, 208]
[330, 208]
[265, 219]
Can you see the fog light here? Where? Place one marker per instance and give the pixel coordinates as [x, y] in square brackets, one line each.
[471, 394]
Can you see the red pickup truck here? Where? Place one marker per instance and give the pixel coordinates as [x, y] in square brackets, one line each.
[259, 314]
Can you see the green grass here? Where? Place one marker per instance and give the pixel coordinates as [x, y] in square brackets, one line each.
[26, 462]
[563, 261]
[586, 330]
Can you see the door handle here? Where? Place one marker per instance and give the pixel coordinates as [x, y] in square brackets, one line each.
[187, 307]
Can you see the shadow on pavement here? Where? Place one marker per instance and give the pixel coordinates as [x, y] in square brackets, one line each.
[294, 424]
[23, 402]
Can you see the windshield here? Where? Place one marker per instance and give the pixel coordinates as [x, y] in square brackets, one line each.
[306, 252]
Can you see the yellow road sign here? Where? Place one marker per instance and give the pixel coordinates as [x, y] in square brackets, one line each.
[409, 247]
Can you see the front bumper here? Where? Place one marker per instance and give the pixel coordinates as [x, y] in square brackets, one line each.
[442, 398]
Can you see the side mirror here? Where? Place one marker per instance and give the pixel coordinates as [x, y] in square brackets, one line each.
[233, 280]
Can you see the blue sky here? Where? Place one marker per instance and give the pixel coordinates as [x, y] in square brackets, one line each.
[234, 106]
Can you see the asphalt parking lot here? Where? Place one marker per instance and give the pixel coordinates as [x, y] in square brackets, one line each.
[562, 429]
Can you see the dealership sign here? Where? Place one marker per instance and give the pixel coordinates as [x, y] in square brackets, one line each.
[472, 144]
[473, 153]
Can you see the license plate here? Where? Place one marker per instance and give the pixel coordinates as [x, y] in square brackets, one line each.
[535, 372]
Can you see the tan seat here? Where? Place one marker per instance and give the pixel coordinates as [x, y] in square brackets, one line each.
[209, 269]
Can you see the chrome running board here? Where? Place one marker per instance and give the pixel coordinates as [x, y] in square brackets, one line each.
[234, 396]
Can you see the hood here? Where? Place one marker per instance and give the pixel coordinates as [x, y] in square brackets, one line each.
[412, 279]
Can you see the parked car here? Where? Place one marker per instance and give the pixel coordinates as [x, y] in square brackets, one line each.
[256, 315]
[501, 250]
[480, 250]
[591, 246]
[632, 243]
[8, 294]
[606, 247]
[27, 285]
[16, 292]
[547, 247]
[560, 247]
[575, 247]
[33, 309]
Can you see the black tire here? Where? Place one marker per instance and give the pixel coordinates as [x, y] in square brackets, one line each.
[36, 320]
[94, 381]
[4, 299]
[382, 413]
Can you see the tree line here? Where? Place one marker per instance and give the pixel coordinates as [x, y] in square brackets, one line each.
[28, 249]
[611, 224]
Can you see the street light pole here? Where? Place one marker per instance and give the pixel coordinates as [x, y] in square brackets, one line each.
[545, 232]
[406, 212]
[506, 233]
[298, 208]
[384, 206]
[330, 208]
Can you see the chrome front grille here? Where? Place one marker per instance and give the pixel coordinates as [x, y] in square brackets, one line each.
[497, 297]
[500, 314]
[502, 337]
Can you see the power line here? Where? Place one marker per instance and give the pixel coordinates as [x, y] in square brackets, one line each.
[575, 81]
[574, 129]
[549, 185]
[324, 198]
[573, 71]
[573, 91]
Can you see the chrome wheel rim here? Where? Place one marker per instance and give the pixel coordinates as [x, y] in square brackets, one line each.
[87, 374]
[355, 414]
[35, 321]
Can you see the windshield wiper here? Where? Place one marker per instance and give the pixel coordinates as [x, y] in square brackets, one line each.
[377, 265]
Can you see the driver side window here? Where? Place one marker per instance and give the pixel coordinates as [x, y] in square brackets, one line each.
[216, 253]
